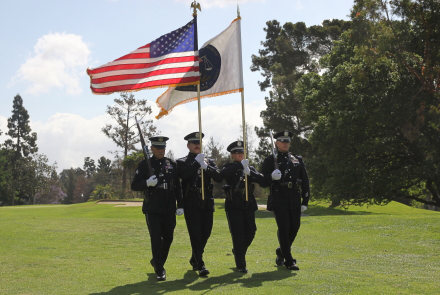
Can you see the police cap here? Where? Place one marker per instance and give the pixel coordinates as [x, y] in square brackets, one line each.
[236, 147]
[158, 141]
[283, 136]
[194, 137]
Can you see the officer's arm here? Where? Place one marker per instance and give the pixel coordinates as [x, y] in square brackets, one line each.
[268, 167]
[305, 185]
[187, 168]
[139, 181]
[178, 189]
[257, 176]
[213, 171]
[229, 170]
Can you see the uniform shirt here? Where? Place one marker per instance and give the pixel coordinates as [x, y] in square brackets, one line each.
[234, 176]
[292, 168]
[157, 198]
[189, 172]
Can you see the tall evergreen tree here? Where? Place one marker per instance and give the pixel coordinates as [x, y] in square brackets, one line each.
[22, 143]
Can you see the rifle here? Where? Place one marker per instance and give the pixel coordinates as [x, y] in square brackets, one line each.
[274, 150]
[145, 149]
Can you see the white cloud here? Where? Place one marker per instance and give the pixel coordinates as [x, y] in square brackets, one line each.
[59, 60]
[69, 138]
[218, 3]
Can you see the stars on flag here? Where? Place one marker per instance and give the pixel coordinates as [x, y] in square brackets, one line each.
[179, 40]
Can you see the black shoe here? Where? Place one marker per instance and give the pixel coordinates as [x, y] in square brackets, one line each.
[203, 272]
[162, 276]
[193, 264]
[292, 266]
[243, 270]
[280, 259]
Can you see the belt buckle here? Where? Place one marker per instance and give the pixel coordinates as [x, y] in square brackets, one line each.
[165, 186]
[289, 185]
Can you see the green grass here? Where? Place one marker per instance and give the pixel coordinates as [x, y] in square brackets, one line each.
[101, 249]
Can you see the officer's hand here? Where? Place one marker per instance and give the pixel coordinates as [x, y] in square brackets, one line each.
[203, 165]
[245, 162]
[179, 211]
[200, 158]
[276, 174]
[152, 181]
[247, 171]
[303, 208]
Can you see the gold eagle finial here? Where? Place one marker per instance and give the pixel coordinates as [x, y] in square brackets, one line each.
[195, 6]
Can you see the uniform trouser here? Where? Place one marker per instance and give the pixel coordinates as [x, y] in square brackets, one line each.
[161, 228]
[288, 222]
[242, 227]
[199, 224]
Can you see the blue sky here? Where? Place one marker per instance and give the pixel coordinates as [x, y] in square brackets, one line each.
[47, 45]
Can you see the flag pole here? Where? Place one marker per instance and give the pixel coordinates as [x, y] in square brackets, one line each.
[196, 6]
[243, 121]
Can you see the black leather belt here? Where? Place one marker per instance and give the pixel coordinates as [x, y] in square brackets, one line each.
[162, 186]
[288, 184]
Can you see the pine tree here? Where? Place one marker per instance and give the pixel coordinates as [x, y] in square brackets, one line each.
[22, 142]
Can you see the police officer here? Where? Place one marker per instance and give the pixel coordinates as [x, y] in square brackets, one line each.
[162, 189]
[239, 212]
[289, 195]
[198, 212]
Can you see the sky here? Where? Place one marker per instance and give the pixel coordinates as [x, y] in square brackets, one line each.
[47, 45]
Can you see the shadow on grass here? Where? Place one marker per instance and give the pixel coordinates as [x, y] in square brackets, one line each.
[191, 281]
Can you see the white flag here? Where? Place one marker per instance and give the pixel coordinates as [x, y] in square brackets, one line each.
[221, 71]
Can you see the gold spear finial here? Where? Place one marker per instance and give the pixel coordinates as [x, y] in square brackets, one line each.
[195, 6]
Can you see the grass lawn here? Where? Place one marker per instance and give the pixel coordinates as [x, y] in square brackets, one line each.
[101, 249]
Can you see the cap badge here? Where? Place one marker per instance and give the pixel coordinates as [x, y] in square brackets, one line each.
[197, 135]
[239, 143]
[286, 133]
[160, 139]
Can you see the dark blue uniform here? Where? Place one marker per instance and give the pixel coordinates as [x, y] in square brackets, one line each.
[240, 214]
[198, 213]
[286, 197]
[159, 205]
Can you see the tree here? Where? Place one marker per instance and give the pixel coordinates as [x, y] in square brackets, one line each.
[104, 165]
[124, 133]
[22, 143]
[215, 151]
[290, 52]
[89, 167]
[5, 177]
[53, 195]
[375, 111]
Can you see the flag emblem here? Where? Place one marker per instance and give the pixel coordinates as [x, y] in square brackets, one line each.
[210, 63]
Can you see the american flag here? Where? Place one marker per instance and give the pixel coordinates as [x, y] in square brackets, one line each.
[171, 59]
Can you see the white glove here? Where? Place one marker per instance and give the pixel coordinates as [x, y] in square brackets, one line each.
[247, 171]
[200, 158]
[152, 181]
[179, 211]
[203, 165]
[276, 174]
[245, 163]
[303, 208]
